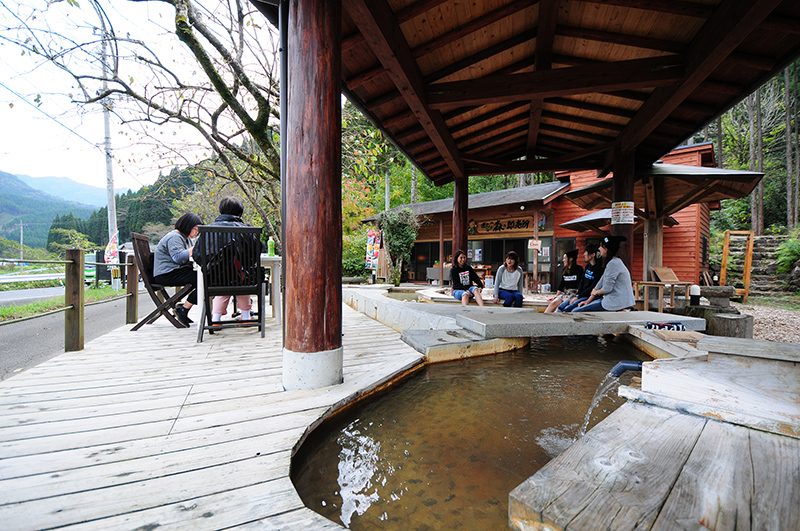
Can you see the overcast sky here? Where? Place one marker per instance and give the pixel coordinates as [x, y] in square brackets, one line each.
[57, 138]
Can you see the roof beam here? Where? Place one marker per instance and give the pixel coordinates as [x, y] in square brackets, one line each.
[729, 25]
[673, 7]
[477, 24]
[598, 77]
[548, 18]
[377, 24]
[478, 166]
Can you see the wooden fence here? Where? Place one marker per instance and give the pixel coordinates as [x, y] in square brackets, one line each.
[73, 294]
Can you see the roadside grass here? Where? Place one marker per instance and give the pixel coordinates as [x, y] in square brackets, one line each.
[20, 311]
[31, 284]
[790, 301]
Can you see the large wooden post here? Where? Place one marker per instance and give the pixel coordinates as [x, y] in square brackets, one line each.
[441, 253]
[73, 299]
[653, 245]
[460, 214]
[623, 191]
[132, 302]
[312, 354]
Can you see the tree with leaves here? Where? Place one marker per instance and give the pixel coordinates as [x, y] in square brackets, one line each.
[400, 227]
[229, 98]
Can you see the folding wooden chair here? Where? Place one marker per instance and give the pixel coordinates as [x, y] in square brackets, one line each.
[164, 303]
[230, 259]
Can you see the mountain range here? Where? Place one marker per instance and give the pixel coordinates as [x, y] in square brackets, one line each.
[34, 208]
[70, 190]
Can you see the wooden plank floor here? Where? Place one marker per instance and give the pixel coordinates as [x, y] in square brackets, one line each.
[645, 467]
[151, 429]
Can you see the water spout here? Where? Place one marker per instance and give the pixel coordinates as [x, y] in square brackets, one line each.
[625, 366]
[609, 382]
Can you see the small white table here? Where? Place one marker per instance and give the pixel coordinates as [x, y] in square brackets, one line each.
[273, 263]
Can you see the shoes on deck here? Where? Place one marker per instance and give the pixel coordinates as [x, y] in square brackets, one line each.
[182, 313]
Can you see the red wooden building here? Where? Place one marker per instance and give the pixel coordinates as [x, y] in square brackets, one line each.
[506, 220]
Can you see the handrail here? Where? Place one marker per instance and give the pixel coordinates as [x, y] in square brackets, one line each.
[18, 261]
[73, 295]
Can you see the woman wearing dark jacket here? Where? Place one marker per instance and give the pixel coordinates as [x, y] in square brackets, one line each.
[613, 292]
[230, 215]
[462, 278]
[171, 265]
[592, 272]
[570, 278]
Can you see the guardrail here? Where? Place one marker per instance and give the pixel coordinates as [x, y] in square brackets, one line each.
[73, 294]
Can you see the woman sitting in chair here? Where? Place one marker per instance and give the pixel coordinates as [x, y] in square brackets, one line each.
[171, 265]
[230, 215]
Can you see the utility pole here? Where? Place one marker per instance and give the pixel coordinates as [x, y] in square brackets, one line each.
[20, 241]
[112, 206]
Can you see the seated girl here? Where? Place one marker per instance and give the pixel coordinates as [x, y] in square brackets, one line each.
[570, 278]
[508, 282]
[614, 291]
[592, 272]
[462, 278]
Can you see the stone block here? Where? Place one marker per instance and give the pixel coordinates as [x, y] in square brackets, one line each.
[730, 325]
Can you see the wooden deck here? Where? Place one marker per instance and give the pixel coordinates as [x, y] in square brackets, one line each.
[645, 467]
[150, 429]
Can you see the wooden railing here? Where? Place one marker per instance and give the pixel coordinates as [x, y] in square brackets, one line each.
[73, 294]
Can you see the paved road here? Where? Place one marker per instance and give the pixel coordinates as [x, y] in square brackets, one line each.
[26, 344]
[24, 296]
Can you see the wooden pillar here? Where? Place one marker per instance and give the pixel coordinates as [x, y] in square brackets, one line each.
[536, 251]
[441, 252]
[132, 285]
[623, 191]
[653, 245]
[312, 354]
[73, 299]
[460, 214]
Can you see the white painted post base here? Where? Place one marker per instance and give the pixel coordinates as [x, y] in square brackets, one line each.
[312, 370]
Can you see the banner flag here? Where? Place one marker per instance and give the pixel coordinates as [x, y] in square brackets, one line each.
[111, 255]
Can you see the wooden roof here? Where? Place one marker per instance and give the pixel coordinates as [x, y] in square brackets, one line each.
[534, 194]
[667, 188]
[600, 221]
[503, 86]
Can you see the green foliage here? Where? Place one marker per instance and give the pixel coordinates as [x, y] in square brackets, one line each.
[734, 214]
[788, 254]
[399, 233]
[354, 248]
[63, 239]
[10, 249]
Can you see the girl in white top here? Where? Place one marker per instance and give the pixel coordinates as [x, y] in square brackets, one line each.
[508, 282]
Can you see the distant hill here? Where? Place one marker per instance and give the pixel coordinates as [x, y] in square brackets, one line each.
[70, 190]
[34, 208]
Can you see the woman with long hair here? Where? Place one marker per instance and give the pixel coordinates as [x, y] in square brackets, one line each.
[592, 271]
[570, 278]
[462, 278]
[614, 291]
[508, 282]
[171, 265]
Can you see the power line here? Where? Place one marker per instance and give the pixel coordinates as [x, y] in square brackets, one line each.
[94, 145]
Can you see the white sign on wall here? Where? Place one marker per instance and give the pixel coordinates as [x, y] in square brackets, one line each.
[622, 213]
[536, 245]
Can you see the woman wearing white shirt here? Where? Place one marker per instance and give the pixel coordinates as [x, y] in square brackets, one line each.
[508, 282]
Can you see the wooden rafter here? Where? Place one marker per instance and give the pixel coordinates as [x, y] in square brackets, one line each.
[599, 77]
[472, 26]
[548, 18]
[731, 23]
[673, 7]
[382, 33]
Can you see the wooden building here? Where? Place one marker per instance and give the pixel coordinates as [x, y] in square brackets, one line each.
[493, 87]
[507, 220]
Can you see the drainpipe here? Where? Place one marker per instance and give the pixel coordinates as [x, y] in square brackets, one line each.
[625, 366]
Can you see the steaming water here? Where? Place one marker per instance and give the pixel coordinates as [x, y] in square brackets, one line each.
[443, 449]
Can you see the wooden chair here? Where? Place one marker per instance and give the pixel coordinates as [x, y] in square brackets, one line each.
[230, 260]
[164, 303]
[666, 279]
